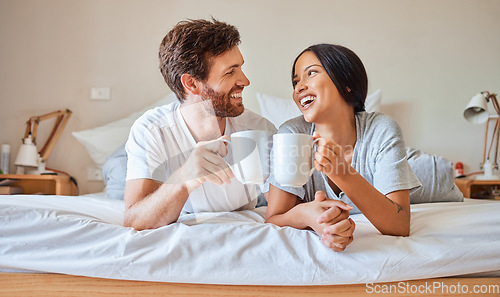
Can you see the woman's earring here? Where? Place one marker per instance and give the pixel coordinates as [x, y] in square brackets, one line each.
[348, 89]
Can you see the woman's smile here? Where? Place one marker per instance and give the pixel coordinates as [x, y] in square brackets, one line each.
[307, 101]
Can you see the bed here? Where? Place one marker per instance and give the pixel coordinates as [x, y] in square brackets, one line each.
[77, 246]
[46, 239]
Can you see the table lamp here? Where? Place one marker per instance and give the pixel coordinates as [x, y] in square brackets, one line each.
[28, 159]
[27, 155]
[477, 112]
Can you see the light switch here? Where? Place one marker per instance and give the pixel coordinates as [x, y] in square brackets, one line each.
[100, 93]
[94, 174]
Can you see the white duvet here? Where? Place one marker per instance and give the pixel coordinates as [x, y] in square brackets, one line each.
[84, 236]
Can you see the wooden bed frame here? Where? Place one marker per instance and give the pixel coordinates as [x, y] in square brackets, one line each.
[28, 284]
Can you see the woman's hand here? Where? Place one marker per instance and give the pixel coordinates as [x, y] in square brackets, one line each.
[330, 219]
[336, 228]
[338, 236]
[329, 158]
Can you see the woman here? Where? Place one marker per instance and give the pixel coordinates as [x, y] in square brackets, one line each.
[360, 159]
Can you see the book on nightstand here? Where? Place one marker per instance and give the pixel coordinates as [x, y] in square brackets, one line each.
[9, 190]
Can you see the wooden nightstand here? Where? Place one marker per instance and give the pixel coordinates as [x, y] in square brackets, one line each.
[472, 187]
[43, 184]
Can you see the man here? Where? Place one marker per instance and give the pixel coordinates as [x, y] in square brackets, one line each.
[175, 153]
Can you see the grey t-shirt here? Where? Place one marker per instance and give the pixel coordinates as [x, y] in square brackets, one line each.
[379, 156]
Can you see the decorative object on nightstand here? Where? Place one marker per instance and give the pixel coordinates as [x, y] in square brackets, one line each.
[477, 112]
[28, 157]
[5, 162]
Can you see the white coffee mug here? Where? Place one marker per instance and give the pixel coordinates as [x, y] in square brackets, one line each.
[292, 158]
[250, 151]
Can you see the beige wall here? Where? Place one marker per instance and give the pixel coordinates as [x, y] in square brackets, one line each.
[428, 57]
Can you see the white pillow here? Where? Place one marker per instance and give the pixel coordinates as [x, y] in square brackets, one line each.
[101, 141]
[279, 110]
[373, 101]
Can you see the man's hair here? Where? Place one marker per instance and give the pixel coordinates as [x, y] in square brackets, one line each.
[345, 69]
[190, 48]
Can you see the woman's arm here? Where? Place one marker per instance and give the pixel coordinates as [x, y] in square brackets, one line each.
[279, 209]
[329, 218]
[389, 214]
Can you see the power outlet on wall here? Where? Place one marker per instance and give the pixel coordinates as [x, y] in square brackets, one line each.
[94, 174]
[103, 93]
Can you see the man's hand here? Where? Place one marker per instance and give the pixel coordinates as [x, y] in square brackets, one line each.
[205, 163]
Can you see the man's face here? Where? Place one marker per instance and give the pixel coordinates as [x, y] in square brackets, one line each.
[222, 92]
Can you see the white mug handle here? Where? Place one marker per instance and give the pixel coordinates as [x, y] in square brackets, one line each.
[233, 167]
[225, 141]
[228, 142]
[312, 148]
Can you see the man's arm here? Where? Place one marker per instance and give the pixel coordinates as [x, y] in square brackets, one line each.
[150, 204]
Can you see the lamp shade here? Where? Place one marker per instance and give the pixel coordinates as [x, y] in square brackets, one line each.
[27, 155]
[476, 111]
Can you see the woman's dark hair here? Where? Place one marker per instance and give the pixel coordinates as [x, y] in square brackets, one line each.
[345, 69]
[190, 48]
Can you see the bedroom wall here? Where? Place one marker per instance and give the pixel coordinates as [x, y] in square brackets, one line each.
[428, 57]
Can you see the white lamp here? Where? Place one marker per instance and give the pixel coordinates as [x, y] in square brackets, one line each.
[27, 155]
[476, 112]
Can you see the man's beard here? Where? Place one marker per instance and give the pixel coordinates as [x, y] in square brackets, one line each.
[219, 104]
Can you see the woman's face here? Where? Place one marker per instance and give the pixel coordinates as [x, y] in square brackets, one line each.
[314, 92]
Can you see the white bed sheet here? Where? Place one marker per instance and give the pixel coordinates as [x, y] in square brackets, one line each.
[84, 236]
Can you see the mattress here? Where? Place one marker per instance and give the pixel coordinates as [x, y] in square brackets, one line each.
[84, 235]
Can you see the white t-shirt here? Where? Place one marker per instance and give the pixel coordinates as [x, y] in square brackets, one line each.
[160, 143]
